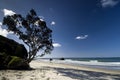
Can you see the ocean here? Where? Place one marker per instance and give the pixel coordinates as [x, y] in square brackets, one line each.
[111, 63]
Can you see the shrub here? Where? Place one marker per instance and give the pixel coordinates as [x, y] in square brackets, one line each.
[18, 63]
[14, 61]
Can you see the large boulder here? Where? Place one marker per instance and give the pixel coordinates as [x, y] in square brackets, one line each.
[2, 59]
[12, 54]
[17, 63]
[12, 62]
[12, 48]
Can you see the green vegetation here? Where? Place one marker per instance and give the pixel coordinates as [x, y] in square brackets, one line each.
[12, 55]
[17, 63]
[14, 61]
[37, 35]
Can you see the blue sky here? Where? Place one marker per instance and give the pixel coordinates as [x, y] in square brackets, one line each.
[81, 28]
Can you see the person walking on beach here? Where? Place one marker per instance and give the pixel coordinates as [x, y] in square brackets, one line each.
[51, 59]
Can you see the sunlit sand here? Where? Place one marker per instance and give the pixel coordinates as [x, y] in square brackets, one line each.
[54, 71]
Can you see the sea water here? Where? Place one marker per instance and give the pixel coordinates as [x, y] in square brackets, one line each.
[105, 63]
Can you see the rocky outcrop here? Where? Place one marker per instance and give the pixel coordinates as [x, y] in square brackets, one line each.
[12, 62]
[12, 48]
[62, 58]
[17, 63]
[12, 55]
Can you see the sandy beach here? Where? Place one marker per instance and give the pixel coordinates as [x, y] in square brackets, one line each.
[54, 71]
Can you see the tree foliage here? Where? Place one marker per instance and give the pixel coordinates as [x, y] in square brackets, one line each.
[32, 30]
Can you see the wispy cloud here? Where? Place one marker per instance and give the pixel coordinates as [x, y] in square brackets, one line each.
[108, 3]
[3, 32]
[81, 37]
[53, 23]
[8, 12]
[56, 45]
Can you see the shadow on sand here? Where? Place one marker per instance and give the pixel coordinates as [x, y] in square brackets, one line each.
[84, 75]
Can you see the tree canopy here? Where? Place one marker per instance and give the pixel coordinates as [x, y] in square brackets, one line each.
[32, 30]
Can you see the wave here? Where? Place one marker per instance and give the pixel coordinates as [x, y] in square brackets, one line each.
[90, 63]
[94, 62]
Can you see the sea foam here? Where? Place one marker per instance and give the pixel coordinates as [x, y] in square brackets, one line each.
[91, 63]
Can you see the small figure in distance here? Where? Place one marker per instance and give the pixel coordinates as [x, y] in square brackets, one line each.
[51, 59]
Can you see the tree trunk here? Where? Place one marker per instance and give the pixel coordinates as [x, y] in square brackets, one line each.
[31, 56]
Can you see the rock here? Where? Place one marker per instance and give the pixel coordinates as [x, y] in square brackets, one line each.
[2, 66]
[12, 55]
[13, 62]
[12, 48]
[62, 58]
[18, 63]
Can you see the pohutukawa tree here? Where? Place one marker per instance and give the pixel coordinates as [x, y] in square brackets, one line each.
[32, 30]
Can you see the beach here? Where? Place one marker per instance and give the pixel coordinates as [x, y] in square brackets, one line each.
[43, 70]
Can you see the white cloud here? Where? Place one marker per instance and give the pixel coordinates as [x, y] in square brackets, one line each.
[108, 3]
[81, 37]
[3, 32]
[56, 45]
[52, 23]
[8, 12]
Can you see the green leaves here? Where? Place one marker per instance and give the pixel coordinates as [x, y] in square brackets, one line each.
[32, 31]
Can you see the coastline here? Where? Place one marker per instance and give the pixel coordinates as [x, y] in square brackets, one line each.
[86, 68]
[54, 71]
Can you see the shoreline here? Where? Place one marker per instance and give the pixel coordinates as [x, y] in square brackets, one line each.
[43, 70]
[86, 68]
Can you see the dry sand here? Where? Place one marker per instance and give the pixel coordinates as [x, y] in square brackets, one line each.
[54, 71]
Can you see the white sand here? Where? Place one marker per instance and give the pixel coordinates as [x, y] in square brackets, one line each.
[54, 71]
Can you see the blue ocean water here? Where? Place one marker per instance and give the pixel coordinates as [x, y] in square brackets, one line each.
[110, 59]
[112, 63]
